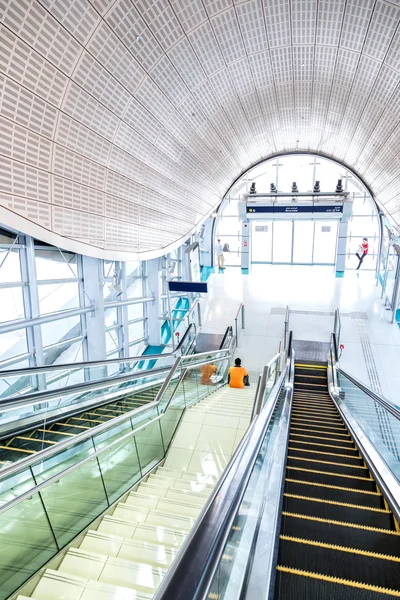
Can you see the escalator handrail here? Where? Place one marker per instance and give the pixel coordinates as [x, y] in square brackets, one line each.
[28, 371]
[194, 566]
[12, 402]
[382, 401]
[60, 446]
[229, 331]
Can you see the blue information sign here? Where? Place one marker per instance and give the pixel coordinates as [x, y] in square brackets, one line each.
[188, 286]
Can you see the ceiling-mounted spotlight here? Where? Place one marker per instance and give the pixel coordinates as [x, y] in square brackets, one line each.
[317, 188]
[273, 188]
[214, 215]
[294, 187]
[253, 188]
[339, 187]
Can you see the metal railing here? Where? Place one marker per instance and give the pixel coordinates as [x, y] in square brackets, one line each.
[267, 378]
[239, 316]
[337, 325]
[286, 329]
[28, 371]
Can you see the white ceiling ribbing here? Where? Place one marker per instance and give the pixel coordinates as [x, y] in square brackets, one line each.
[111, 110]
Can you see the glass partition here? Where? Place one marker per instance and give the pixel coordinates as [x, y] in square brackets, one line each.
[380, 425]
[227, 583]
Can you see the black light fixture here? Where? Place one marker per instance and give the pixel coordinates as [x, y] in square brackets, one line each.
[339, 187]
[294, 188]
[253, 188]
[273, 188]
[317, 188]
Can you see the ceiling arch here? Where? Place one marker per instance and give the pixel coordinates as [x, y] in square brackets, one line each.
[123, 122]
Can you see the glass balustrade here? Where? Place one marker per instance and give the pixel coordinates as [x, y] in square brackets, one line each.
[380, 423]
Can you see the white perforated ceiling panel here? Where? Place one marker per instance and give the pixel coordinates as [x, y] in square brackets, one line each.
[124, 121]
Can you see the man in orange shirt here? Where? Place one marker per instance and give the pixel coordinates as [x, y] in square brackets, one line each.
[207, 371]
[237, 374]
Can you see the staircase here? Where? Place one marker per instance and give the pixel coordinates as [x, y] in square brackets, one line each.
[338, 538]
[128, 554]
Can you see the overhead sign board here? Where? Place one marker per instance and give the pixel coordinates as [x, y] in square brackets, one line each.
[296, 209]
[199, 287]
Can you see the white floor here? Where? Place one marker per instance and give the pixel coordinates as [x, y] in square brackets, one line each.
[311, 289]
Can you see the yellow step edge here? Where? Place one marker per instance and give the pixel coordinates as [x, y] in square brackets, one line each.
[339, 523]
[56, 432]
[317, 385]
[333, 487]
[306, 421]
[72, 425]
[297, 540]
[304, 403]
[18, 450]
[327, 453]
[309, 366]
[303, 410]
[310, 376]
[329, 473]
[324, 445]
[316, 437]
[339, 581]
[31, 439]
[317, 431]
[327, 462]
[335, 503]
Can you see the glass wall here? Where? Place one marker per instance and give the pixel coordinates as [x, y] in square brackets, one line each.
[299, 242]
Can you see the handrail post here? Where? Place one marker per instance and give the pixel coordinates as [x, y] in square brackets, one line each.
[243, 317]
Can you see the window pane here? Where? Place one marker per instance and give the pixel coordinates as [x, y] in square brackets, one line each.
[58, 331]
[364, 227]
[10, 270]
[303, 242]
[135, 311]
[325, 242]
[228, 226]
[112, 343]
[55, 264]
[136, 331]
[111, 317]
[261, 241]
[59, 296]
[12, 304]
[282, 244]
[13, 344]
[295, 168]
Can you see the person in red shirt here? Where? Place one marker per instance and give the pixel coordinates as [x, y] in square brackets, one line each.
[362, 252]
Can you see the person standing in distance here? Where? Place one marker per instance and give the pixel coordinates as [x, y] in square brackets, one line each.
[362, 252]
[220, 255]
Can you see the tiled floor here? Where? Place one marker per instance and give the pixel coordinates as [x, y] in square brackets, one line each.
[311, 289]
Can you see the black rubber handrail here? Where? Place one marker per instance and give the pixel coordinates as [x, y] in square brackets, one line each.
[229, 331]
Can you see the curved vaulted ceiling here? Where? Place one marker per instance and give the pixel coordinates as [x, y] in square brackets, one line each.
[123, 122]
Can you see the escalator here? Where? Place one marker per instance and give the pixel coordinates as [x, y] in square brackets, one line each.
[49, 433]
[338, 537]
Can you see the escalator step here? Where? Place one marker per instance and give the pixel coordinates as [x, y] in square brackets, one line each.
[303, 436]
[344, 563]
[381, 542]
[300, 428]
[338, 512]
[335, 493]
[303, 586]
[334, 447]
[329, 466]
[327, 454]
[322, 476]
